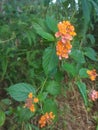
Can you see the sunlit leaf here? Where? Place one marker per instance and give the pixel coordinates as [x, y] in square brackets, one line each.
[2, 117]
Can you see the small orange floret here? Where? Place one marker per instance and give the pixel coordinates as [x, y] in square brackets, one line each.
[30, 102]
[46, 119]
[35, 100]
[32, 108]
[65, 27]
[92, 74]
[30, 95]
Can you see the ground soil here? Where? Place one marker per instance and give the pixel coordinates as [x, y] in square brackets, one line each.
[73, 115]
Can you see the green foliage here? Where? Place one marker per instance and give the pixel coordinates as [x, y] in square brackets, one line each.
[28, 60]
[83, 73]
[83, 91]
[2, 117]
[20, 91]
[50, 61]
[53, 88]
[50, 106]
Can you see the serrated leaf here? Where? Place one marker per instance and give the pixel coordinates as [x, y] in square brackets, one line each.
[83, 73]
[51, 23]
[82, 89]
[53, 88]
[50, 60]
[50, 106]
[20, 91]
[90, 53]
[78, 56]
[2, 117]
[42, 33]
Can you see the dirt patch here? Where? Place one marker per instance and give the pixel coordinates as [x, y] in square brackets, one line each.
[73, 114]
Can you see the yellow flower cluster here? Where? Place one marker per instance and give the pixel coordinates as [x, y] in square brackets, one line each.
[46, 119]
[92, 74]
[66, 33]
[30, 102]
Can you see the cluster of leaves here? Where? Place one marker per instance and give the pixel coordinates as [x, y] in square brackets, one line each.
[28, 60]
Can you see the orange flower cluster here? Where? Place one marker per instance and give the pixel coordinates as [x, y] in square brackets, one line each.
[92, 74]
[30, 102]
[94, 95]
[66, 33]
[46, 119]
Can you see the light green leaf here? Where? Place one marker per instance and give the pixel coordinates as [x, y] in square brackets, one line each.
[53, 88]
[78, 56]
[51, 23]
[82, 89]
[83, 73]
[50, 60]
[42, 96]
[90, 53]
[42, 33]
[2, 117]
[20, 91]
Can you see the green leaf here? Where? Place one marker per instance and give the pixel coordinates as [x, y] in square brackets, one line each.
[69, 68]
[2, 117]
[50, 106]
[86, 10]
[83, 73]
[78, 56]
[42, 96]
[24, 114]
[90, 53]
[42, 33]
[51, 23]
[50, 60]
[20, 91]
[91, 38]
[53, 88]
[82, 89]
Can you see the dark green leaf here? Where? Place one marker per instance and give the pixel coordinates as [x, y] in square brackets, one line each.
[51, 23]
[42, 33]
[69, 68]
[90, 53]
[78, 56]
[20, 91]
[53, 88]
[50, 60]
